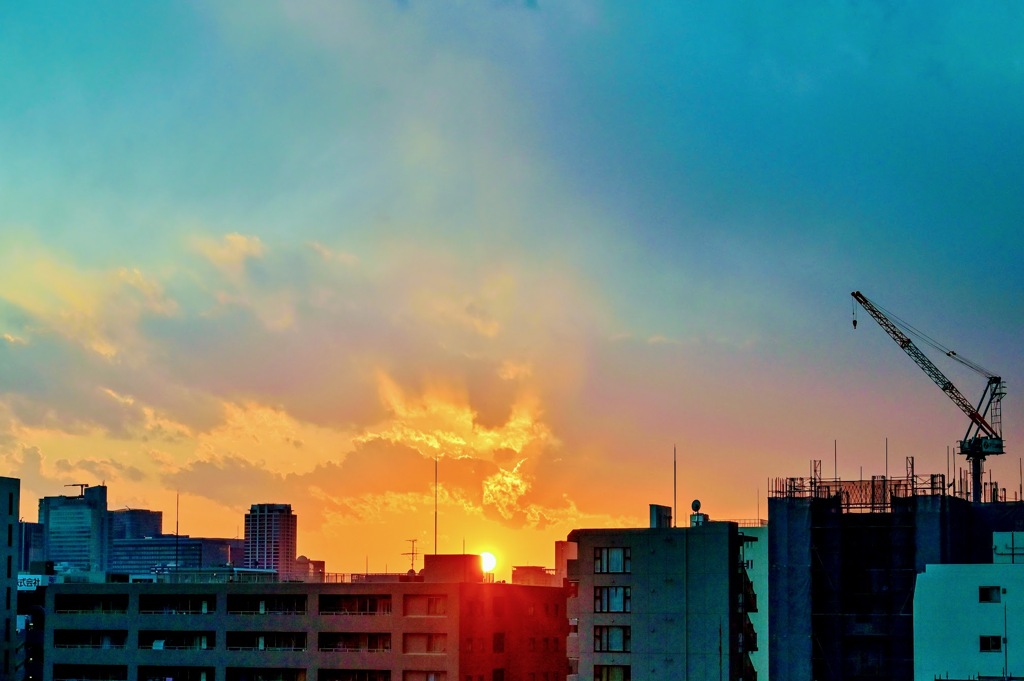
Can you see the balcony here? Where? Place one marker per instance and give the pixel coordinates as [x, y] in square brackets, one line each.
[178, 673]
[282, 604]
[90, 639]
[176, 640]
[264, 674]
[80, 604]
[355, 604]
[267, 640]
[177, 604]
[354, 642]
[90, 672]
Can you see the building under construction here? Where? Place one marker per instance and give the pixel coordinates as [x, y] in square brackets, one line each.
[844, 556]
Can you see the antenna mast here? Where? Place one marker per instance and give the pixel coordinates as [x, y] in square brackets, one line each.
[412, 554]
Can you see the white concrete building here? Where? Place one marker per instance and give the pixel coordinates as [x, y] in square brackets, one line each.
[969, 622]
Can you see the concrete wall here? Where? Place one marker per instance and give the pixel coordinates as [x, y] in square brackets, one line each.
[949, 620]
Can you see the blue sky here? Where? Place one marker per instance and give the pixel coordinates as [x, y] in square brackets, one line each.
[545, 240]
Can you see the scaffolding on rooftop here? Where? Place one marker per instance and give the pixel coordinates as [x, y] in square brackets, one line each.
[874, 495]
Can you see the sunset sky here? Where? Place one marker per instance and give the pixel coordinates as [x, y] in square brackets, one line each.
[259, 252]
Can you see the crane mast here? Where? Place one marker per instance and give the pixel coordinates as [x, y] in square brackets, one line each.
[983, 438]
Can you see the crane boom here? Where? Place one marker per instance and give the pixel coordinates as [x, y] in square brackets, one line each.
[927, 365]
[982, 439]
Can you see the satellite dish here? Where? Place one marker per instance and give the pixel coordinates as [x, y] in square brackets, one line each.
[695, 505]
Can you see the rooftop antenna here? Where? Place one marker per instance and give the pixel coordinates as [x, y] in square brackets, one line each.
[674, 514]
[435, 505]
[412, 554]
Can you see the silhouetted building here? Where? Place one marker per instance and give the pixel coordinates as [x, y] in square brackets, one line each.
[32, 552]
[76, 529]
[844, 558]
[270, 538]
[661, 603]
[10, 500]
[135, 523]
[167, 552]
[448, 622]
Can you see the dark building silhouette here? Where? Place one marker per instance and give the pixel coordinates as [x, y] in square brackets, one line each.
[843, 561]
[32, 549]
[135, 523]
[76, 529]
[167, 552]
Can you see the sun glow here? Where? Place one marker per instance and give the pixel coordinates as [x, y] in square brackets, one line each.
[489, 561]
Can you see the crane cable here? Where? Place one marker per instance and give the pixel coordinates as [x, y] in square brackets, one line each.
[934, 344]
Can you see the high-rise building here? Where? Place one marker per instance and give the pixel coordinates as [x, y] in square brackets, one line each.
[10, 499]
[135, 523]
[77, 530]
[270, 538]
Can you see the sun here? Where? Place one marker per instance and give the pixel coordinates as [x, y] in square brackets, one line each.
[489, 561]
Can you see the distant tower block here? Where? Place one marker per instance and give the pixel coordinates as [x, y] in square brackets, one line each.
[271, 531]
[697, 518]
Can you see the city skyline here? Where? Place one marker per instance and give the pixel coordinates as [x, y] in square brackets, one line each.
[299, 252]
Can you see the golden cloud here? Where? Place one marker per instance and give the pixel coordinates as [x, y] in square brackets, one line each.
[231, 252]
[442, 421]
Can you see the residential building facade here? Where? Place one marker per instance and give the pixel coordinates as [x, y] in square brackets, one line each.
[445, 623]
[969, 622]
[661, 603]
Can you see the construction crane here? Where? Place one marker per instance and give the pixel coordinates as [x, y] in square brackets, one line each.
[984, 435]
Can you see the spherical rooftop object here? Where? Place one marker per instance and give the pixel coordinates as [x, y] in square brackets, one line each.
[695, 505]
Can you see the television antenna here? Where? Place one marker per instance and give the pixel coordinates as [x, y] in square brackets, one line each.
[412, 553]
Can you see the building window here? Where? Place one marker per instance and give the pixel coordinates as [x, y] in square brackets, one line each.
[989, 594]
[612, 599]
[498, 643]
[427, 644]
[611, 560]
[436, 605]
[606, 672]
[611, 639]
[498, 675]
[990, 644]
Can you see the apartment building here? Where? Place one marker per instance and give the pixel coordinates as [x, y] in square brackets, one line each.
[446, 623]
[967, 617]
[661, 603]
